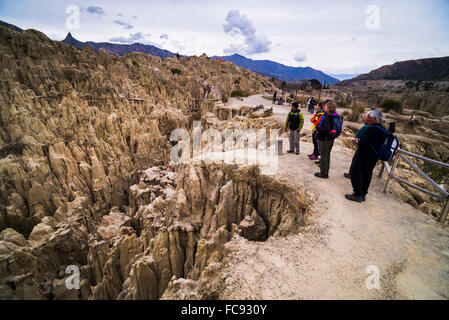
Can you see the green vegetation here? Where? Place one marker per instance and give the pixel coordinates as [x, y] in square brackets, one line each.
[15, 148]
[439, 174]
[391, 105]
[342, 104]
[239, 93]
[428, 86]
[176, 71]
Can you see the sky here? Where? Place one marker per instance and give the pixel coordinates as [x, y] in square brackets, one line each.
[336, 37]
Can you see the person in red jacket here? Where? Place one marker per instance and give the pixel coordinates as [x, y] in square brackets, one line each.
[316, 121]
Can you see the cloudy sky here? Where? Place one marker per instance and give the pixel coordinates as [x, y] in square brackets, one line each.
[337, 37]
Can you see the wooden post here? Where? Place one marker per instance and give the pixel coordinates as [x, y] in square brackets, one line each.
[279, 147]
[381, 170]
[445, 212]
[395, 164]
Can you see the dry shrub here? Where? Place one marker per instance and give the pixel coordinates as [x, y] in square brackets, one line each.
[356, 111]
[391, 105]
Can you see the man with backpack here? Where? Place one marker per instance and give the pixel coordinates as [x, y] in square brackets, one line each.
[365, 158]
[358, 135]
[328, 130]
[295, 122]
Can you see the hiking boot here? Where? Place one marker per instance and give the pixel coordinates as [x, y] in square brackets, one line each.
[312, 157]
[290, 151]
[347, 175]
[317, 162]
[297, 153]
[320, 175]
[353, 197]
[309, 155]
[363, 198]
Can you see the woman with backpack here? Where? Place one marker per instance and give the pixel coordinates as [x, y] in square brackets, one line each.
[327, 132]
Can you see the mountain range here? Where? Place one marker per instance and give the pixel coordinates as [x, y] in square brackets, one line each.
[429, 69]
[264, 67]
[119, 49]
[279, 71]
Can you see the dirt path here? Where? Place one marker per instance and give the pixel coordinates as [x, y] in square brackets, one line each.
[329, 258]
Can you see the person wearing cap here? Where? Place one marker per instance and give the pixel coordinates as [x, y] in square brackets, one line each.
[365, 158]
[358, 135]
[294, 122]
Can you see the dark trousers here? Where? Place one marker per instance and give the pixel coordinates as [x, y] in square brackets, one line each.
[361, 172]
[316, 149]
[325, 147]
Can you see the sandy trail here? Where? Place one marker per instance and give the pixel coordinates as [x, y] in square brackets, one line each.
[329, 258]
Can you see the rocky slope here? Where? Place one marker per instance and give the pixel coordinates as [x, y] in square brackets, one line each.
[431, 69]
[78, 131]
[428, 96]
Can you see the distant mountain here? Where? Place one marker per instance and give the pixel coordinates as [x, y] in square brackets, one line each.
[279, 71]
[10, 26]
[430, 69]
[344, 76]
[119, 49]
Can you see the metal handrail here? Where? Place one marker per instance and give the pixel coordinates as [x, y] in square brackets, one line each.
[400, 154]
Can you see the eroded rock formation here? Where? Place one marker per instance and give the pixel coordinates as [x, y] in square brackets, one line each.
[78, 132]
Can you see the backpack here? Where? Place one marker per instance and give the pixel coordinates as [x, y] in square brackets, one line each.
[338, 125]
[388, 147]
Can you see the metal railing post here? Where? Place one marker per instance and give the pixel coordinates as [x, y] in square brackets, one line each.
[395, 163]
[445, 212]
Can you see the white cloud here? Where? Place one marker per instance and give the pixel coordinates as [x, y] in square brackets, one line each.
[95, 10]
[240, 25]
[132, 38]
[332, 33]
[300, 56]
[124, 24]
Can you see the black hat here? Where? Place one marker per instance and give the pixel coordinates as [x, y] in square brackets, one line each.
[326, 101]
[295, 104]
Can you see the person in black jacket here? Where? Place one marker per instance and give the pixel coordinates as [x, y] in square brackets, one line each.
[365, 158]
[326, 138]
[294, 122]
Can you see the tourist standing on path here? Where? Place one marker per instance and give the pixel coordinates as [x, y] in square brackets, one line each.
[295, 122]
[365, 157]
[312, 104]
[316, 121]
[326, 137]
[358, 135]
[274, 97]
